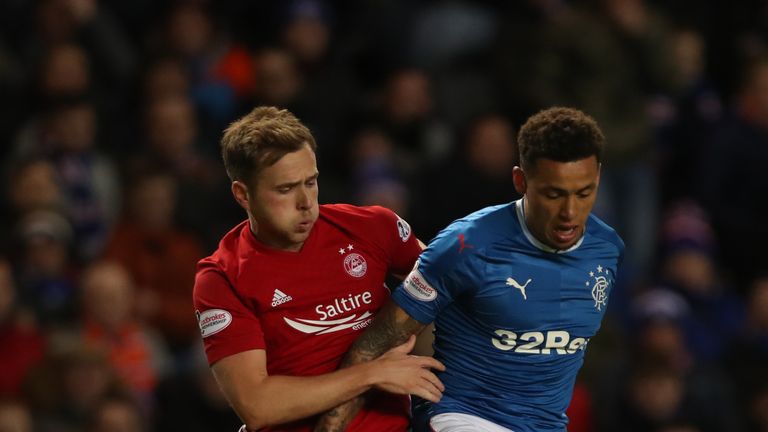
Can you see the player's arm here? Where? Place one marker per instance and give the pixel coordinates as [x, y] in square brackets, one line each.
[235, 348]
[391, 327]
[401, 276]
[262, 400]
[426, 336]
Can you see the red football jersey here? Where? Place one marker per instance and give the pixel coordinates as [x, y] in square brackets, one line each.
[306, 308]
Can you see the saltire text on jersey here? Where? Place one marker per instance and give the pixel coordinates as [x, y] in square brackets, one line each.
[306, 308]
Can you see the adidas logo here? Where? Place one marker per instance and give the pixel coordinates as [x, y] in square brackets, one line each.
[280, 297]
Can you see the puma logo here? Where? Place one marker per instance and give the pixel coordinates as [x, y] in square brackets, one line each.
[513, 283]
[462, 245]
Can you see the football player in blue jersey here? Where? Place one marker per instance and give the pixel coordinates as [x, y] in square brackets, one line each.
[515, 291]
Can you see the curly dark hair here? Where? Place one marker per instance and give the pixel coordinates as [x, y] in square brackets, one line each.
[259, 139]
[560, 134]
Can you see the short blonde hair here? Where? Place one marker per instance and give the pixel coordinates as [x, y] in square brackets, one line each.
[259, 139]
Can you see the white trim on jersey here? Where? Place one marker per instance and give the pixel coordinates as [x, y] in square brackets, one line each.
[460, 422]
[521, 218]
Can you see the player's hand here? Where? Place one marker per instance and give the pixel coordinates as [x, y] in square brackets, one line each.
[401, 373]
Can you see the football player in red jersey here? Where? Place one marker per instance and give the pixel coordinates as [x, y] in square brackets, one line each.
[288, 290]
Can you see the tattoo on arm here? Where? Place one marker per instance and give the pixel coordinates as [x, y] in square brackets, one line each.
[337, 419]
[391, 327]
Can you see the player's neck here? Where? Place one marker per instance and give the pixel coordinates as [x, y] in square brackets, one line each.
[538, 238]
[274, 242]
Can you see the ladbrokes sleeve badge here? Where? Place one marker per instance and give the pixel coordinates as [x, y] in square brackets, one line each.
[212, 321]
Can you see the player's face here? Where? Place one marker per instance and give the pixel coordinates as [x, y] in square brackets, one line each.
[558, 198]
[283, 202]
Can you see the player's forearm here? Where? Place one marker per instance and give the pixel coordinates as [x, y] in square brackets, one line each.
[337, 419]
[281, 399]
[390, 328]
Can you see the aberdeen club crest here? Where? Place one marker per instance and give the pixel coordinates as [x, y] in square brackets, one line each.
[354, 263]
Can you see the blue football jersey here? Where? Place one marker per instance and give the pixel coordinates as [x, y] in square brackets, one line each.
[513, 317]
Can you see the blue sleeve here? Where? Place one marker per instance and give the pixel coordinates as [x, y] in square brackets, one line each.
[439, 276]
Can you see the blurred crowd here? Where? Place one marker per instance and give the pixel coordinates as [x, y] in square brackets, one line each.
[110, 117]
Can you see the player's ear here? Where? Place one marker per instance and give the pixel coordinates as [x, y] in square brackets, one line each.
[240, 192]
[518, 179]
[599, 169]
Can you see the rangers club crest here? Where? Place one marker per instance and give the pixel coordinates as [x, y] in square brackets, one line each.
[600, 283]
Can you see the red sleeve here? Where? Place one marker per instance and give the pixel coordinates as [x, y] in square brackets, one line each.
[227, 325]
[402, 245]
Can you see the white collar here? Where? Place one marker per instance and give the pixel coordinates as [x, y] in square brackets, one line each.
[534, 241]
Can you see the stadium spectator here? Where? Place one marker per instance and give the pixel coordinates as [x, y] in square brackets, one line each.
[609, 58]
[485, 161]
[220, 69]
[375, 178]
[160, 257]
[191, 400]
[689, 268]
[65, 390]
[89, 181]
[279, 80]
[117, 414]
[32, 185]
[408, 115]
[687, 120]
[46, 271]
[15, 417]
[136, 353]
[748, 353]
[173, 143]
[21, 343]
[165, 78]
[737, 158]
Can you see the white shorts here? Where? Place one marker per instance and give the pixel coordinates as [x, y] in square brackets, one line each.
[458, 422]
